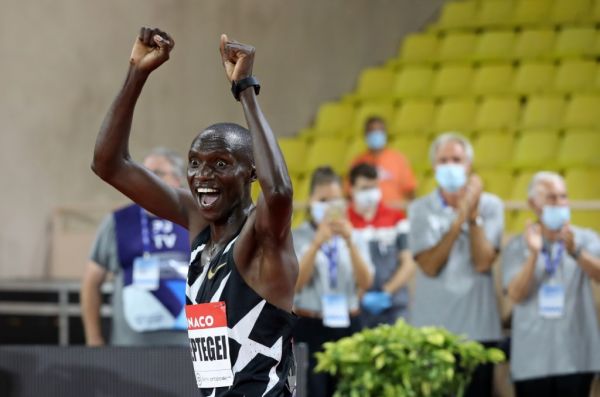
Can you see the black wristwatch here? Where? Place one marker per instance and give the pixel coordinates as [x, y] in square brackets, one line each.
[238, 86]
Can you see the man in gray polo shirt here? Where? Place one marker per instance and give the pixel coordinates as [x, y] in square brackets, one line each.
[555, 345]
[455, 236]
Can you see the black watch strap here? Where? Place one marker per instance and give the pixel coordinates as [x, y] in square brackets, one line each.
[238, 86]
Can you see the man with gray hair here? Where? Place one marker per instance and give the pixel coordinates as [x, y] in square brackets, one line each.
[455, 236]
[148, 257]
[547, 271]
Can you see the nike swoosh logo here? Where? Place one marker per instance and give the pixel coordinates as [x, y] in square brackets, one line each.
[211, 272]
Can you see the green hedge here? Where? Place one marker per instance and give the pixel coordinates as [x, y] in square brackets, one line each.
[403, 361]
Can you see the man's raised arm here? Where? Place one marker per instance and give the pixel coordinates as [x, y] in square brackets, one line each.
[274, 210]
[112, 161]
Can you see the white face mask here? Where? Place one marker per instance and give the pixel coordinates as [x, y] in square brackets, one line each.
[318, 209]
[367, 199]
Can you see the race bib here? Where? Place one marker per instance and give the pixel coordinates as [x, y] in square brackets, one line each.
[146, 273]
[209, 343]
[335, 311]
[552, 300]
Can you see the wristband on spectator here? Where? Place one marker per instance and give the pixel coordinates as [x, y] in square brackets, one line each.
[238, 86]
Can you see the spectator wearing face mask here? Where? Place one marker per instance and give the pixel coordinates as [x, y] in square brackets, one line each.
[334, 265]
[455, 237]
[548, 269]
[396, 179]
[385, 230]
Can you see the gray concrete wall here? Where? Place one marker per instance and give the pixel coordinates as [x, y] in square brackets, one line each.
[62, 62]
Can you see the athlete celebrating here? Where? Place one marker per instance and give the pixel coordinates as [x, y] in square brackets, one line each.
[243, 267]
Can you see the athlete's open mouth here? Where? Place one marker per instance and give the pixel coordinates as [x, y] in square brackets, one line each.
[207, 196]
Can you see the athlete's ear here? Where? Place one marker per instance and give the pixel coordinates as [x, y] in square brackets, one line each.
[253, 176]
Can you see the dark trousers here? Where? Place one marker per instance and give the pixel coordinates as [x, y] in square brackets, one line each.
[575, 385]
[312, 332]
[483, 378]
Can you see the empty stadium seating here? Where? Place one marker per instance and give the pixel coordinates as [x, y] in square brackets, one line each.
[520, 77]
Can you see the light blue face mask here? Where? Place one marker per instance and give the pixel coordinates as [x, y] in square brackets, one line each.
[318, 209]
[376, 139]
[554, 217]
[451, 177]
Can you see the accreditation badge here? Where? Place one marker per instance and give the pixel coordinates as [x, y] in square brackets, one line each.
[335, 311]
[146, 272]
[551, 300]
[209, 343]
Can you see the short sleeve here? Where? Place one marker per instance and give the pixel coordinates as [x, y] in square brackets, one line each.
[513, 257]
[493, 221]
[402, 229]
[104, 248]
[422, 235]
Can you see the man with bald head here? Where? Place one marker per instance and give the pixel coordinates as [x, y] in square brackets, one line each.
[125, 236]
[243, 269]
[548, 271]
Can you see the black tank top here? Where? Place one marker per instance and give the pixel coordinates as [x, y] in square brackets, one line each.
[260, 340]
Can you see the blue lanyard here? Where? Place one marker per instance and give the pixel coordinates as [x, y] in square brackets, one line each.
[331, 252]
[145, 232]
[552, 265]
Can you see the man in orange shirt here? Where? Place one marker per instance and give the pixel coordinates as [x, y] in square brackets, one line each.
[396, 179]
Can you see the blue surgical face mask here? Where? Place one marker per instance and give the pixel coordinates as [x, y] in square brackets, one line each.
[554, 217]
[318, 209]
[376, 139]
[451, 177]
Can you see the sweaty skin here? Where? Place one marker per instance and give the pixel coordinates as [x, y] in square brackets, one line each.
[219, 163]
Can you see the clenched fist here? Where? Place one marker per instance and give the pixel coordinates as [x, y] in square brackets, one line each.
[151, 49]
[237, 59]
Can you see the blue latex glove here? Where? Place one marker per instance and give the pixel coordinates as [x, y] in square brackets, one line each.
[376, 302]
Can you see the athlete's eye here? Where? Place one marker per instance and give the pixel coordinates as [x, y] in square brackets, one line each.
[221, 164]
[194, 163]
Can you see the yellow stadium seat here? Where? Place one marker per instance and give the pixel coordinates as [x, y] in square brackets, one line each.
[375, 83]
[575, 42]
[326, 151]
[413, 81]
[580, 148]
[498, 113]
[415, 148]
[355, 147]
[533, 77]
[543, 111]
[367, 110]
[492, 79]
[298, 217]
[582, 184]
[494, 13]
[419, 47]
[457, 46]
[294, 152]
[531, 12]
[493, 150]
[458, 14]
[414, 116]
[520, 186]
[575, 76]
[586, 219]
[595, 14]
[566, 11]
[516, 220]
[536, 150]
[583, 112]
[455, 115]
[426, 186]
[498, 182]
[301, 188]
[535, 43]
[495, 46]
[452, 80]
[334, 118]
